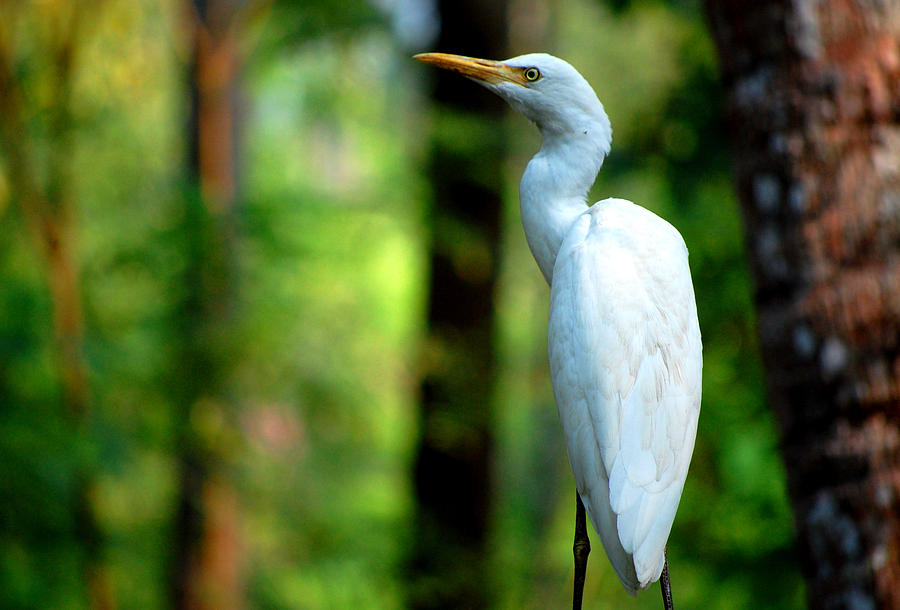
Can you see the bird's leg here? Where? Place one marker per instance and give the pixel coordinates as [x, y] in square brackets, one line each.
[664, 584]
[581, 550]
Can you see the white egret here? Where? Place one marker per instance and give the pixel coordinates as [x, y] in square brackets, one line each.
[624, 340]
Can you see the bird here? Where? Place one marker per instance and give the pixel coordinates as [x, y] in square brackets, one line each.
[624, 343]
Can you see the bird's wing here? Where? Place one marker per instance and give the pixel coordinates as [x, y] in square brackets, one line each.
[625, 360]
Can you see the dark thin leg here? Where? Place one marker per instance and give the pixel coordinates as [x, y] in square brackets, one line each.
[666, 587]
[581, 550]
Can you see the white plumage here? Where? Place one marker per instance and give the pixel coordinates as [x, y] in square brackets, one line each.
[624, 340]
[625, 362]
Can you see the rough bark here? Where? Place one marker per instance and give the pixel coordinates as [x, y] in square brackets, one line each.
[453, 457]
[207, 569]
[814, 105]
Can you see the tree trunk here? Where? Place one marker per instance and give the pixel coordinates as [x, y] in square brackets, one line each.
[44, 193]
[207, 567]
[814, 105]
[453, 458]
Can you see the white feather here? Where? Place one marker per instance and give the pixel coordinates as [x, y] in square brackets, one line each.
[625, 348]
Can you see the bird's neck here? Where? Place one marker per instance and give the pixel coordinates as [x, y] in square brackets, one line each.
[554, 187]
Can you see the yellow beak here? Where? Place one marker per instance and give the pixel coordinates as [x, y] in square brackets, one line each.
[485, 70]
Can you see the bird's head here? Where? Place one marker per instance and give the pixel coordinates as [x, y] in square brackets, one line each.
[546, 89]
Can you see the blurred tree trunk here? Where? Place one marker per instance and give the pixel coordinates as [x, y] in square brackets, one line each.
[452, 465]
[207, 566]
[814, 103]
[44, 193]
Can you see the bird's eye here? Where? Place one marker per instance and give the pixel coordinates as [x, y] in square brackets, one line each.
[532, 74]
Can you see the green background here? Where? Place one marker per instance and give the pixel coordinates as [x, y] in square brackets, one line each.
[326, 352]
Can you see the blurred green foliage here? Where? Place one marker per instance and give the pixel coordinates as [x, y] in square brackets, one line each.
[330, 314]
